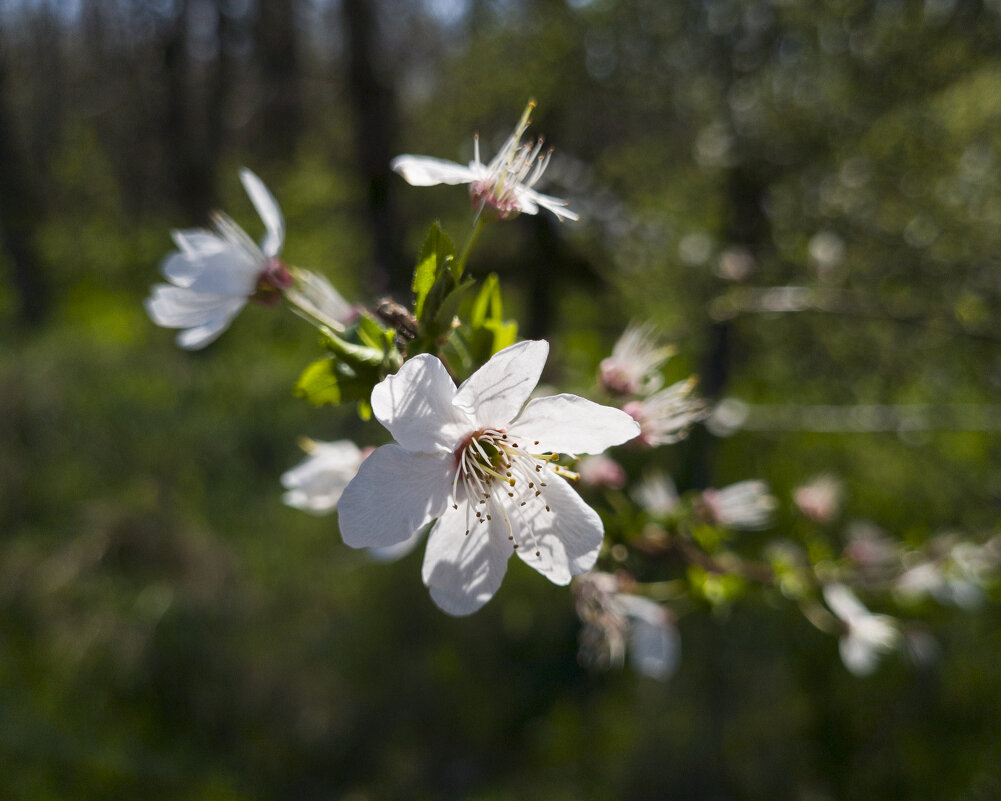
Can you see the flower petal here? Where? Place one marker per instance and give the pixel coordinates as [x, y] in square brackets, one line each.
[176, 307]
[415, 405]
[267, 208]
[529, 201]
[654, 643]
[560, 543]
[316, 484]
[394, 494]
[429, 171]
[463, 571]
[494, 393]
[571, 424]
[843, 603]
[208, 263]
[858, 656]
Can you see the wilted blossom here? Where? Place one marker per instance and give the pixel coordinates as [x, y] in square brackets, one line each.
[666, 416]
[613, 618]
[601, 471]
[315, 485]
[214, 273]
[865, 636]
[745, 505]
[482, 469]
[634, 366]
[819, 499]
[504, 186]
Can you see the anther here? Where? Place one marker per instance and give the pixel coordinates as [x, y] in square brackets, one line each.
[547, 508]
[531, 484]
[489, 517]
[538, 553]
[536, 442]
[455, 506]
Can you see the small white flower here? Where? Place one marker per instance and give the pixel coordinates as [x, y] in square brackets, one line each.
[611, 617]
[820, 499]
[666, 416]
[634, 366]
[213, 274]
[504, 185]
[315, 485]
[865, 636]
[484, 467]
[746, 505]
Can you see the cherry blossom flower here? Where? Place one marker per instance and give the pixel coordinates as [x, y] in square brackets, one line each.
[865, 635]
[657, 494]
[666, 416]
[634, 366]
[484, 470]
[612, 618]
[503, 186]
[315, 485]
[213, 274]
[746, 505]
[820, 499]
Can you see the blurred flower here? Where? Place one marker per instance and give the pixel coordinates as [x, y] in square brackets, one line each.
[485, 467]
[666, 416]
[316, 484]
[745, 505]
[612, 617]
[865, 635]
[504, 185]
[958, 577]
[657, 495]
[634, 366]
[213, 274]
[314, 298]
[601, 471]
[820, 499]
[872, 550]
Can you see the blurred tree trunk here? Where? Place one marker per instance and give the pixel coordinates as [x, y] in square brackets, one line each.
[19, 211]
[281, 114]
[374, 104]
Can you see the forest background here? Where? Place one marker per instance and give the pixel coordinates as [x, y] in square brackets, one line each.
[804, 196]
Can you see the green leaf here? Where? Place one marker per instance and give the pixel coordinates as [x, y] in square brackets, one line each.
[434, 255]
[327, 381]
[358, 356]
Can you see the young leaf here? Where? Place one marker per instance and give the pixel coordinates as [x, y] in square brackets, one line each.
[435, 253]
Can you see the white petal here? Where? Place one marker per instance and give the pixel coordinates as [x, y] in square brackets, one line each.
[415, 406]
[176, 307]
[654, 644]
[843, 603]
[202, 335]
[463, 571]
[217, 267]
[571, 424]
[494, 393]
[428, 171]
[316, 484]
[563, 542]
[529, 200]
[394, 494]
[858, 656]
[267, 208]
[393, 552]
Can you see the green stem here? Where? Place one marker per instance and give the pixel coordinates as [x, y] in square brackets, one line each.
[460, 264]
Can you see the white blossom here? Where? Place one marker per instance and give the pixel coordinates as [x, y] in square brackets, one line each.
[865, 635]
[212, 274]
[657, 494]
[484, 469]
[634, 366]
[666, 416]
[315, 485]
[745, 505]
[612, 618]
[819, 499]
[505, 185]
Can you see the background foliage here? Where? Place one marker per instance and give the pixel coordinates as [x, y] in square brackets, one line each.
[169, 630]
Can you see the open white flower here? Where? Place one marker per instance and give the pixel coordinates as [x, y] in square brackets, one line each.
[484, 467]
[865, 636]
[213, 274]
[504, 185]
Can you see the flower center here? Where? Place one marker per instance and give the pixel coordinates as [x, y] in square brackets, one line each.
[274, 278]
[495, 474]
